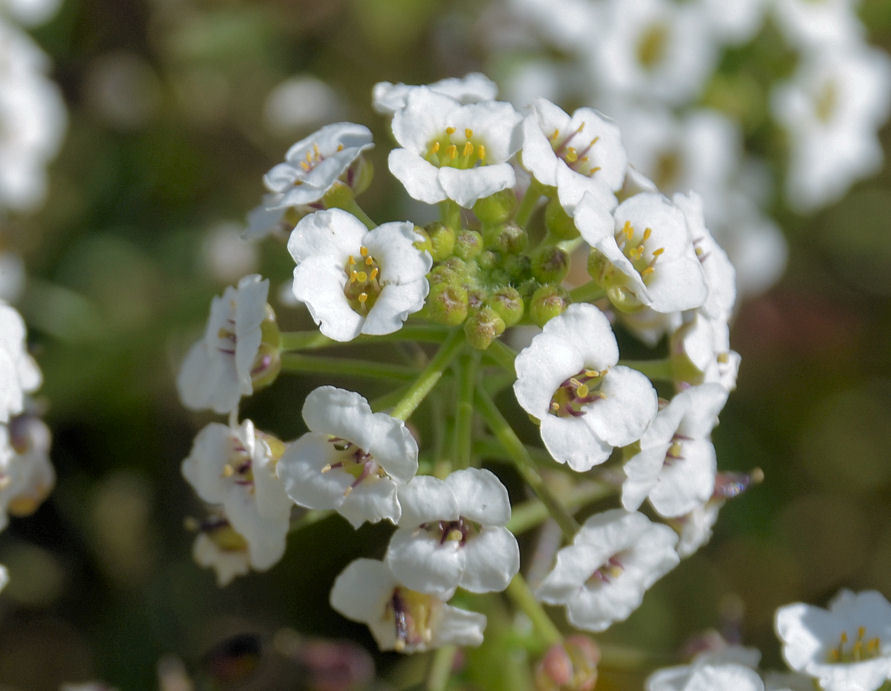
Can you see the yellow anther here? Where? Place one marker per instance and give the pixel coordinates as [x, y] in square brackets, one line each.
[555, 407]
[363, 297]
[593, 142]
[555, 134]
[351, 260]
[592, 373]
[628, 229]
[647, 270]
[369, 261]
[861, 632]
[467, 150]
[308, 157]
[658, 251]
[575, 382]
[468, 132]
[305, 165]
[582, 390]
[297, 183]
[228, 470]
[571, 155]
[636, 252]
[481, 152]
[363, 250]
[435, 148]
[354, 276]
[872, 646]
[647, 233]
[315, 149]
[834, 655]
[699, 251]
[724, 358]
[374, 273]
[347, 491]
[580, 128]
[450, 130]
[844, 637]
[583, 159]
[675, 449]
[340, 147]
[593, 170]
[452, 151]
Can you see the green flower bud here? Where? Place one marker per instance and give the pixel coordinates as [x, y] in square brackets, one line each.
[452, 270]
[446, 304]
[267, 363]
[558, 222]
[483, 327]
[423, 245]
[496, 208]
[487, 260]
[547, 302]
[468, 244]
[518, 268]
[507, 238]
[614, 282]
[550, 264]
[508, 303]
[442, 240]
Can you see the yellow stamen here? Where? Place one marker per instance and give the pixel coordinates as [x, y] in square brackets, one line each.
[555, 134]
[305, 165]
[363, 297]
[340, 147]
[593, 170]
[647, 270]
[628, 230]
[468, 149]
[363, 251]
[468, 132]
[326, 468]
[228, 470]
[374, 273]
[481, 152]
[658, 251]
[450, 130]
[369, 261]
[582, 390]
[347, 491]
[315, 148]
[435, 148]
[452, 151]
[351, 260]
[647, 233]
[571, 155]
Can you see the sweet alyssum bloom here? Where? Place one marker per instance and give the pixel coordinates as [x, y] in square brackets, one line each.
[387, 98]
[314, 164]
[603, 575]
[351, 460]
[19, 373]
[452, 150]
[726, 676]
[676, 465]
[576, 154]
[354, 280]
[401, 619]
[26, 473]
[238, 352]
[845, 647]
[643, 255]
[586, 404]
[452, 534]
[235, 467]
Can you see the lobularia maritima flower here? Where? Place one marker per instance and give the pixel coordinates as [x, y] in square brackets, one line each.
[401, 619]
[587, 404]
[238, 352]
[602, 577]
[451, 150]
[229, 554]
[26, 474]
[576, 154]
[843, 648]
[19, 373]
[452, 534]
[388, 98]
[351, 460]
[355, 280]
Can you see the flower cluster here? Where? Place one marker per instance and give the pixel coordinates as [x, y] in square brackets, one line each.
[523, 195]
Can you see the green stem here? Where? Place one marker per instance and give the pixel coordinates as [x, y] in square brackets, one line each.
[528, 203]
[518, 591]
[588, 292]
[450, 213]
[524, 464]
[429, 377]
[654, 369]
[441, 668]
[533, 512]
[294, 362]
[467, 368]
[348, 203]
[489, 447]
[313, 340]
[501, 354]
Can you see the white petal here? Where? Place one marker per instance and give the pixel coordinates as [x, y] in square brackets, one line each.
[425, 565]
[480, 496]
[491, 560]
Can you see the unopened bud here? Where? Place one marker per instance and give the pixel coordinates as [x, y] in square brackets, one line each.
[508, 238]
[446, 304]
[496, 208]
[468, 244]
[442, 240]
[487, 260]
[569, 666]
[550, 264]
[508, 303]
[559, 224]
[547, 302]
[452, 270]
[483, 327]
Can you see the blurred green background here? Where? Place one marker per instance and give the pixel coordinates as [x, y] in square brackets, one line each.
[167, 142]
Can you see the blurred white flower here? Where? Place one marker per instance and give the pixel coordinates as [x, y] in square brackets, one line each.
[19, 373]
[818, 24]
[299, 102]
[26, 474]
[732, 668]
[602, 577]
[388, 98]
[399, 618]
[30, 12]
[355, 280]
[229, 554]
[226, 255]
[735, 21]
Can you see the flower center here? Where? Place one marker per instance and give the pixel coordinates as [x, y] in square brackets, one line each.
[636, 250]
[311, 160]
[652, 45]
[857, 650]
[451, 531]
[610, 571]
[675, 449]
[413, 615]
[576, 392]
[355, 461]
[239, 466]
[448, 150]
[576, 159]
[222, 534]
[226, 335]
[363, 281]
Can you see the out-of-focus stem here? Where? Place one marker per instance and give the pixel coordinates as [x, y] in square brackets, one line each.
[518, 591]
[430, 376]
[295, 362]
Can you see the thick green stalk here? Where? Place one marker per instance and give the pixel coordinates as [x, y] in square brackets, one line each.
[518, 591]
[467, 369]
[589, 292]
[524, 464]
[429, 377]
[528, 203]
[348, 203]
[441, 668]
[501, 354]
[294, 362]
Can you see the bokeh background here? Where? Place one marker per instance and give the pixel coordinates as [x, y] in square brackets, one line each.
[171, 127]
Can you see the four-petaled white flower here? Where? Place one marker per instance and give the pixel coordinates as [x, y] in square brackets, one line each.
[354, 280]
[220, 368]
[235, 467]
[603, 575]
[452, 534]
[576, 154]
[847, 647]
[587, 405]
[643, 255]
[452, 150]
[388, 98]
[351, 460]
[401, 619]
[676, 465]
[313, 165]
[19, 373]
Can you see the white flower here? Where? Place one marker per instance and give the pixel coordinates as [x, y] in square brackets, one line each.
[847, 648]
[26, 473]
[815, 25]
[577, 154]
[388, 98]
[4, 577]
[30, 12]
[235, 467]
[452, 534]
[220, 368]
[695, 528]
[832, 108]
[351, 460]
[568, 379]
[705, 677]
[676, 465]
[399, 618]
[314, 164]
[602, 576]
[700, 352]
[354, 280]
[643, 254]
[451, 150]
[735, 21]
[229, 554]
[19, 374]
